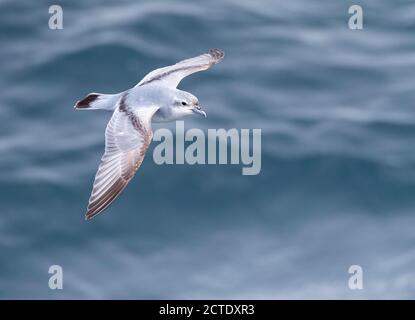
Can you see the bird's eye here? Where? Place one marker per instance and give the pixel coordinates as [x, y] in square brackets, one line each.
[184, 103]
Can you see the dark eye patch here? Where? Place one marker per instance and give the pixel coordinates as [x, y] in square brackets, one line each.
[184, 103]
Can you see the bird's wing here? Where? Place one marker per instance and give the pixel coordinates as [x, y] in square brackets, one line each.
[171, 76]
[127, 138]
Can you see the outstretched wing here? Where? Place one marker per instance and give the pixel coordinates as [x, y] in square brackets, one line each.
[127, 138]
[172, 75]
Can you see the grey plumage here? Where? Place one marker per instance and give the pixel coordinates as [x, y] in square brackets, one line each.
[128, 134]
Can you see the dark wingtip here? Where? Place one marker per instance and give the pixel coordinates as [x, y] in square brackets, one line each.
[85, 102]
[217, 54]
[90, 215]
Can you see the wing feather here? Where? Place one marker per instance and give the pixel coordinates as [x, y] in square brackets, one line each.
[127, 138]
[172, 75]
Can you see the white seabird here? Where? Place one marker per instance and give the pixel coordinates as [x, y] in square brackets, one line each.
[128, 133]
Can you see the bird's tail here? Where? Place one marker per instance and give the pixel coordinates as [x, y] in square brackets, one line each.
[95, 101]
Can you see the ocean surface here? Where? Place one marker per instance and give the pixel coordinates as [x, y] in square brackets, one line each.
[337, 186]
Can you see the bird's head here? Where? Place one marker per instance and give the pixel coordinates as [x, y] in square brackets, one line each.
[186, 104]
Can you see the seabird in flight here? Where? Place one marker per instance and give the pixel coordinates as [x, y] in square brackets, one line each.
[128, 134]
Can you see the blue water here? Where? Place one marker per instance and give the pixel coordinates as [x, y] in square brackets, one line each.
[337, 185]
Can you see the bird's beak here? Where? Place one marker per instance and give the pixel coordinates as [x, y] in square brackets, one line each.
[199, 110]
